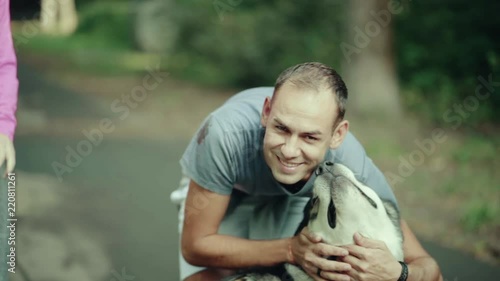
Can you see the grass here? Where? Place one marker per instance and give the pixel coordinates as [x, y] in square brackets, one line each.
[479, 213]
[455, 190]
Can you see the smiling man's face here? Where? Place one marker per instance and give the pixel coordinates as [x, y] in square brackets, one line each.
[299, 130]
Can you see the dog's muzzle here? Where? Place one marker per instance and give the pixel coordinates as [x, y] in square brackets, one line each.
[324, 167]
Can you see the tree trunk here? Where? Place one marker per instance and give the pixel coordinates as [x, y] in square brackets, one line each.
[58, 17]
[369, 62]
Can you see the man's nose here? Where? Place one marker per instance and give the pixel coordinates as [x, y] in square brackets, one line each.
[290, 149]
[324, 167]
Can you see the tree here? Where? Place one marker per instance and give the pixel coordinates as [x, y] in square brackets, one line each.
[58, 17]
[369, 61]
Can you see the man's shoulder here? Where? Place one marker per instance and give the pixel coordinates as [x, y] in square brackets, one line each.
[243, 110]
[257, 94]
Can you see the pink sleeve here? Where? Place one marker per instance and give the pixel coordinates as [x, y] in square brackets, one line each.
[8, 74]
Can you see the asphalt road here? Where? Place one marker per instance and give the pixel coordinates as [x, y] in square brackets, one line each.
[136, 178]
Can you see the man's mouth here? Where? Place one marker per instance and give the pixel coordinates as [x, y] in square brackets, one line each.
[288, 164]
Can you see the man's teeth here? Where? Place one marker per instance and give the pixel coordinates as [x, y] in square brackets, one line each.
[289, 164]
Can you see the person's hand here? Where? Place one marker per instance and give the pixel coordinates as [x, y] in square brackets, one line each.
[371, 260]
[311, 255]
[7, 154]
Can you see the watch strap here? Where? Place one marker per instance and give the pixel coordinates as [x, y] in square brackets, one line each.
[404, 271]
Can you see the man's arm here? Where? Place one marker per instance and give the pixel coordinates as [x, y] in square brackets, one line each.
[202, 246]
[421, 266]
[8, 75]
[8, 90]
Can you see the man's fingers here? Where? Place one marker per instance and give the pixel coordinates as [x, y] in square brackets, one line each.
[352, 260]
[337, 276]
[311, 236]
[367, 242]
[318, 278]
[325, 250]
[7, 152]
[328, 265]
[313, 272]
[355, 250]
[11, 159]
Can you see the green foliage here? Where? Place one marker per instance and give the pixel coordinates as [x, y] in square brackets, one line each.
[248, 43]
[442, 47]
[479, 213]
[104, 25]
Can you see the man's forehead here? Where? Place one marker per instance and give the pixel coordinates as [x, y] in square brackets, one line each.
[310, 131]
[289, 90]
[305, 100]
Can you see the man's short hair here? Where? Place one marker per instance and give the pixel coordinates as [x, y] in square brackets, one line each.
[316, 76]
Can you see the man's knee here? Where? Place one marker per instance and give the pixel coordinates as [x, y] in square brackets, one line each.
[210, 275]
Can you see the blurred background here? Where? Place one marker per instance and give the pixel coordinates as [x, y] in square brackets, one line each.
[111, 92]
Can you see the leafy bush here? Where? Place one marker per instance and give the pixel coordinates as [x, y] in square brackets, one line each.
[104, 24]
[248, 43]
[442, 47]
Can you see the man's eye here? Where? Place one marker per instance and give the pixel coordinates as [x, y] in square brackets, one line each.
[281, 128]
[312, 138]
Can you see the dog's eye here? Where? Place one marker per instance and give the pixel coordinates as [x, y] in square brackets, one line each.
[314, 200]
[328, 163]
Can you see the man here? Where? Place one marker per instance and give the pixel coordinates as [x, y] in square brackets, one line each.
[249, 172]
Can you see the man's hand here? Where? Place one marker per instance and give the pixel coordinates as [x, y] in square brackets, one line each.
[7, 154]
[371, 260]
[311, 255]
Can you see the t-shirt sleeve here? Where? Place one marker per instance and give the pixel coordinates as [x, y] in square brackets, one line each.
[207, 159]
[352, 154]
[8, 75]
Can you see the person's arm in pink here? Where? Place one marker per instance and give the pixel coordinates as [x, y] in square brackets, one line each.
[8, 89]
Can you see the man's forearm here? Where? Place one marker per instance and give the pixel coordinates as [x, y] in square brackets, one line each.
[231, 252]
[424, 269]
[421, 266]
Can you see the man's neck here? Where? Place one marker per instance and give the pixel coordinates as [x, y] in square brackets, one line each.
[295, 187]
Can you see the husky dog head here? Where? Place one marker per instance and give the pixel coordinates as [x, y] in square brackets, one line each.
[341, 206]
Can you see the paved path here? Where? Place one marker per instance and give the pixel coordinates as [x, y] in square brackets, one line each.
[136, 177]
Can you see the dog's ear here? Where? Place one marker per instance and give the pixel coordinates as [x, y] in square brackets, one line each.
[392, 212]
[332, 215]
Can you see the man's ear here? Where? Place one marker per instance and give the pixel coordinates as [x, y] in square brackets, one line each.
[339, 134]
[266, 110]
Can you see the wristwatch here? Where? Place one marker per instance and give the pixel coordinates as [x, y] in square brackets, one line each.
[404, 271]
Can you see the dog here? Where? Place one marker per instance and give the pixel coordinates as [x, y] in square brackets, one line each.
[339, 207]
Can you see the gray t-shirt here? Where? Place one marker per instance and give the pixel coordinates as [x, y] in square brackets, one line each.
[227, 153]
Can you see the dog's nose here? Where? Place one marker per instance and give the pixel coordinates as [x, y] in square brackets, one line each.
[324, 166]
